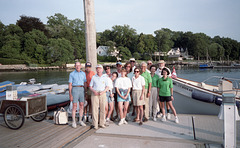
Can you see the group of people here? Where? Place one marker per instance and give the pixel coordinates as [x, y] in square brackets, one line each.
[144, 90]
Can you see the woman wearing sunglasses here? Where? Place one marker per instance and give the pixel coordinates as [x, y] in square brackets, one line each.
[123, 86]
[138, 94]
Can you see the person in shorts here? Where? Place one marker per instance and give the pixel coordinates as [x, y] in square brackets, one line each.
[138, 91]
[165, 91]
[77, 85]
[109, 106]
[123, 86]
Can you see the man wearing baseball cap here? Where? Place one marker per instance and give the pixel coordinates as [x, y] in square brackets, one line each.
[119, 68]
[132, 61]
[98, 85]
[89, 74]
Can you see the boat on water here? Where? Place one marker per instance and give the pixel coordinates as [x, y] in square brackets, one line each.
[57, 95]
[202, 66]
[203, 92]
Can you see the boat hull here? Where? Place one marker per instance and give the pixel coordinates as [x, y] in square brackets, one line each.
[202, 100]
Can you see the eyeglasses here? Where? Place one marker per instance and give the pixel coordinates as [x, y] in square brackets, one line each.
[136, 71]
[132, 61]
[107, 68]
[149, 63]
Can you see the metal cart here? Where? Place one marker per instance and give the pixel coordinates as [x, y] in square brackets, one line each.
[15, 111]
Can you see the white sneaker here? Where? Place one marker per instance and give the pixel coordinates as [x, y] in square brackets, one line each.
[74, 125]
[163, 118]
[82, 123]
[125, 122]
[168, 116]
[154, 119]
[85, 118]
[176, 120]
[121, 122]
[159, 115]
[90, 119]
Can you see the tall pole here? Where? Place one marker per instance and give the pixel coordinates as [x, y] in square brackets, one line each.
[90, 32]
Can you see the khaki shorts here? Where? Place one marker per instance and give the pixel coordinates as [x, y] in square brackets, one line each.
[89, 93]
[136, 94]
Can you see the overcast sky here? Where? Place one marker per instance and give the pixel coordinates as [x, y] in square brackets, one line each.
[212, 17]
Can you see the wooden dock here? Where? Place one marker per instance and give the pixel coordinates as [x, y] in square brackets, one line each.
[39, 134]
[206, 132]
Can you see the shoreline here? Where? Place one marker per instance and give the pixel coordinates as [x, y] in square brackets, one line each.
[193, 64]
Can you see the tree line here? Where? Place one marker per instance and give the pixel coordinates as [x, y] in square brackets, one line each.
[62, 40]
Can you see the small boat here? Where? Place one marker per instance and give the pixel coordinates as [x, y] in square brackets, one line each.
[202, 66]
[4, 84]
[204, 92]
[57, 95]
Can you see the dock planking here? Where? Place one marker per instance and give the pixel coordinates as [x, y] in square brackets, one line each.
[38, 134]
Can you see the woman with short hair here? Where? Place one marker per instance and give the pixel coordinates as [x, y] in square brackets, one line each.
[138, 94]
[123, 86]
[165, 91]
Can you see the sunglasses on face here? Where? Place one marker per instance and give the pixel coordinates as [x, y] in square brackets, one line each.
[149, 63]
[107, 68]
[132, 61]
[136, 71]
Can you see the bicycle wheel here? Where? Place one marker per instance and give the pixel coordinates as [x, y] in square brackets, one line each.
[14, 117]
[39, 117]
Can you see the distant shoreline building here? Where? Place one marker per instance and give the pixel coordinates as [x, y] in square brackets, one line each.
[103, 51]
[178, 53]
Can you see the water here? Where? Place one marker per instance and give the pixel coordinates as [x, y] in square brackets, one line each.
[182, 104]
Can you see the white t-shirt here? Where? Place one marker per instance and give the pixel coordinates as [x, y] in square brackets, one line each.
[123, 83]
[110, 83]
[138, 83]
[158, 72]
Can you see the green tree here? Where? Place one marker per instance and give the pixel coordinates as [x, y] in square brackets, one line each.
[28, 23]
[136, 55]
[59, 51]
[216, 51]
[124, 36]
[124, 52]
[11, 47]
[2, 27]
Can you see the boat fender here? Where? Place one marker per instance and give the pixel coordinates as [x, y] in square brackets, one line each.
[218, 101]
[202, 96]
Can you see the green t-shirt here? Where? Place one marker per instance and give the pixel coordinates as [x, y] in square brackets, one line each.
[164, 86]
[155, 80]
[147, 77]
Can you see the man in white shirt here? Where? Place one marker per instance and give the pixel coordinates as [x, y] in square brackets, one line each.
[98, 85]
[132, 61]
[161, 65]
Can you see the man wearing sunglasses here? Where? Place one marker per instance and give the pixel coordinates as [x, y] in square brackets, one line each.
[132, 61]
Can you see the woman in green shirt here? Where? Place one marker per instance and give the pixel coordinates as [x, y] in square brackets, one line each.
[165, 91]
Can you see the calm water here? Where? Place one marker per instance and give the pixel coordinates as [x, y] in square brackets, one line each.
[181, 103]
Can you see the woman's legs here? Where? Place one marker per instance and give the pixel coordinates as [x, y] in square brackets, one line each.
[111, 104]
[120, 108]
[125, 109]
[141, 112]
[106, 109]
[172, 108]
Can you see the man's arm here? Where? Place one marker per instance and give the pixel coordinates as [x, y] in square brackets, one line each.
[70, 91]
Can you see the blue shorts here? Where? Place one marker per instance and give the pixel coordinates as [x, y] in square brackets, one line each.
[123, 93]
[109, 99]
[78, 94]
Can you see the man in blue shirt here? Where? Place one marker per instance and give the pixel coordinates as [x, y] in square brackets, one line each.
[77, 84]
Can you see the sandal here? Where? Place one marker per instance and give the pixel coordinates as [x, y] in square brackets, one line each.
[136, 120]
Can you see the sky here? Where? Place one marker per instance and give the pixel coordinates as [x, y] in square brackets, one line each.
[212, 17]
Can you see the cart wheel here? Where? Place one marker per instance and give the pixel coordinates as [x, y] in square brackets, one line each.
[39, 117]
[14, 117]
